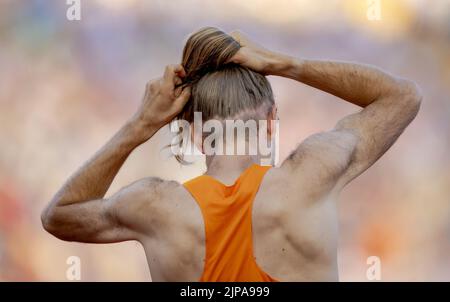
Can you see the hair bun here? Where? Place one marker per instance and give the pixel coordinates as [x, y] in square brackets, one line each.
[207, 50]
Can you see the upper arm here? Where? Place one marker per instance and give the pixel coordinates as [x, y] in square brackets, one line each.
[377, 127]
[107, 220]
[330, 160]
[320, 160]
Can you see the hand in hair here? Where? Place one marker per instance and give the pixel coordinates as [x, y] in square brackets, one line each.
[79, 211]
[256, 57]
[162, 99]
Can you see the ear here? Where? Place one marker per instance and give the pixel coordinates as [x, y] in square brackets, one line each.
[273, 115]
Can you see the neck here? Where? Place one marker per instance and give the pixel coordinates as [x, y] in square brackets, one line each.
[227, 168]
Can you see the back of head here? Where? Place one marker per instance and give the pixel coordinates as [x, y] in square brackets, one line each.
[222, 90]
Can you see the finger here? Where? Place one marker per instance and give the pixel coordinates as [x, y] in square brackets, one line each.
[236, 34]
[240, 38]
[174, 70]
[179, 70]
[169, 75]
[172, 76]
[243, 39]
[178, 87]
[178, 80]
[235, 59]
[182, 99]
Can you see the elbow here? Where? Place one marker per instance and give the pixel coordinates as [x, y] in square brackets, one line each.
[58, 224]
[47, 220]
[411, 94]
[52, 223]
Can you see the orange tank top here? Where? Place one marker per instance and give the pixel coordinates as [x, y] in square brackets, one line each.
[227, 215]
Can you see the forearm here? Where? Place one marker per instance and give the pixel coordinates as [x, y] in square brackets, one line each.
[356, 83]
[93, 179]
[79, 211]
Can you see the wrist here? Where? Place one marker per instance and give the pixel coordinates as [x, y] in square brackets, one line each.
[285, 66]
[140, 129]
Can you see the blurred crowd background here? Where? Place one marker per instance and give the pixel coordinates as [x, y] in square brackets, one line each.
[67, 86]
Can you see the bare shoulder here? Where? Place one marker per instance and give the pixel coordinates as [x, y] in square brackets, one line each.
[141, 203]
[321, 158]
[148, 190]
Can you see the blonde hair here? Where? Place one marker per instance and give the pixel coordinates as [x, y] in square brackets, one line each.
[220, 89]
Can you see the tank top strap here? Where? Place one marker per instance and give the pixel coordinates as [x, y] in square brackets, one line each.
[205, 187]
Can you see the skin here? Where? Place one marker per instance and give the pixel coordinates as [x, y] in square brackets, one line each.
[294, 213]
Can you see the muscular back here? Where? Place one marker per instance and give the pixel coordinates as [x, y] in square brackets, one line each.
[294, 219]
[294, 215]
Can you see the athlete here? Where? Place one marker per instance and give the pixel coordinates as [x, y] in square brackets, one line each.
[241, 220]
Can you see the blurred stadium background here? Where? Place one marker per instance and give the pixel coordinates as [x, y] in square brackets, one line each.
[66, 87]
